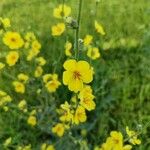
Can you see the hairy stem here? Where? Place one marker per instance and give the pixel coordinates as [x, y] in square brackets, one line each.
[78, 30]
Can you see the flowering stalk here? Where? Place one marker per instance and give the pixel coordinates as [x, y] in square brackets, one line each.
[78, 30]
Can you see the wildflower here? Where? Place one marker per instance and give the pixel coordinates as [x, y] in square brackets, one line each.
[32, 53]
[32, 120]
[19, 87]
[36, 45]
[51, 82]
[47, 147]
[99, 28]
[66, 113]
[22, 105]
[59, 129]
[38, 71]
[12, 58]
[5, 22]
[93, 53]
[30, 36]
[13, 40]
[23, 77]
[88, 40]
[58, 29]
[80, 115]
[41, 61]
[68, 47]
[48, 77]
[7, 142]
[86, 98]
[50, 147]
[133, 137]
[62, 11]
[76, 74]
[2, 65]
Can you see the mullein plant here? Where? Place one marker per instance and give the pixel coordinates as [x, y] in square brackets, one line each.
[77, 76]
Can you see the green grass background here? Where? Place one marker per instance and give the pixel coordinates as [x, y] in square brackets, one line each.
[122, 80]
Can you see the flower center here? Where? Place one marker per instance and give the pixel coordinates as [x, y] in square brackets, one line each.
[13, 39]
[76, 75]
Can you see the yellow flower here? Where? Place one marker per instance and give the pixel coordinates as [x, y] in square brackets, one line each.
[7, 142]
[50, 147]
[86, 98]
[36, 45]
[30, 36]
[12, 58]
[32, 120]
[66, 115]
[13, 40]
[127, 147]
[22, 105]
[49, 77]
[76, 74]
[51, 82]
[62, 11]
[99, 28]
[80, 115]
[43, 146]
[58, 29]
[93, 53]
[19, 87]
[41, 61]
[2, 65]
[68, 47]
[115, 140]
[133, 137]
[38, 72]
[5, 22]
[23, 77]
[32, 54]
[59, 129]
[88, 40]
[52, 85]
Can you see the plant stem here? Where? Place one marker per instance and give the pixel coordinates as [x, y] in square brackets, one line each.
[78, 30]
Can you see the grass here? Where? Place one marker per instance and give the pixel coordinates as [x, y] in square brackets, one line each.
[122, 78]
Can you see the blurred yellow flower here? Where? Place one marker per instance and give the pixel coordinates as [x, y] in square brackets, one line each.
[52, 85]
[13, 40]
[7, 142]
[50, 147]
[76, 74]
[5, 22]
[38, 71]
[30, 36]
[93, 53]
[68, 47]
[88, 40]
[62, 11]
[32, 120]
[58, 29]
[51, 82]
[2, 65]
[23, 77]
[59, 129]
[41, 61]
[22, 105]
[36, 45]
[66, 115]
[12, 58]
[133, 136]
[99, 28]
[86, 98]
[80, 115]
[19, 87]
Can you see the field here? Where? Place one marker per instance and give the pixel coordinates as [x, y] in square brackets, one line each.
[39, 112]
